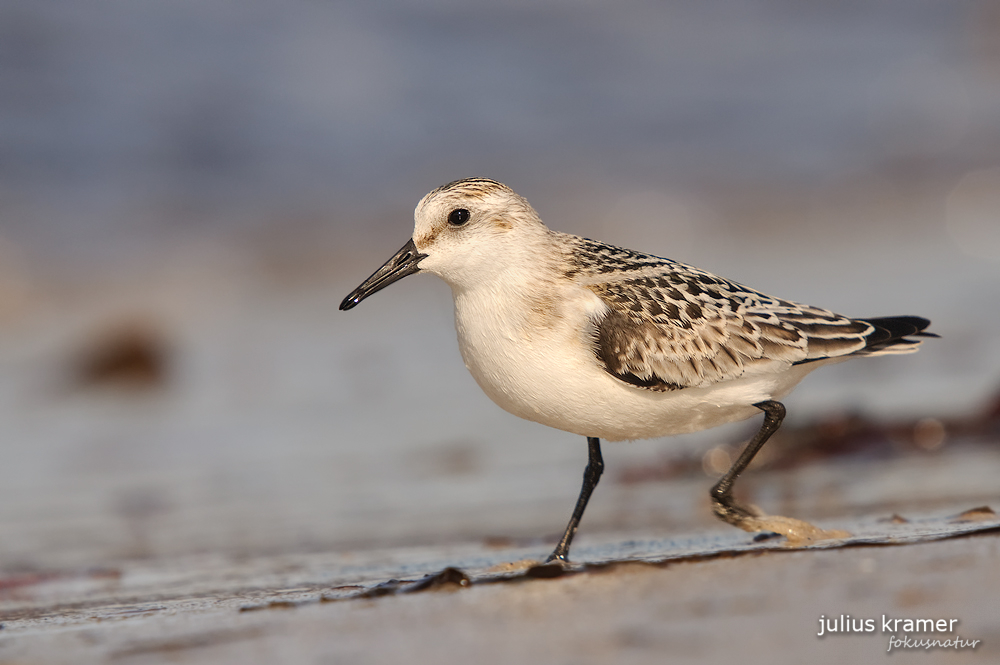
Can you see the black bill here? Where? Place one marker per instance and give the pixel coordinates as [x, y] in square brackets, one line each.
[399, 266]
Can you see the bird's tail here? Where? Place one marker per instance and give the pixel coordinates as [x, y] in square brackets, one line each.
[892, 333]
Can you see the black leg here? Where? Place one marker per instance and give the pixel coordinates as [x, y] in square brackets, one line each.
[723, 503]
[592, 474]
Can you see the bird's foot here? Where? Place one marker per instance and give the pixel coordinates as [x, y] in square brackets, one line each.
[558, 558]
[798, 533]
[749, 517]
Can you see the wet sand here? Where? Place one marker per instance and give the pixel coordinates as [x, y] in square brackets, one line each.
[636, 595]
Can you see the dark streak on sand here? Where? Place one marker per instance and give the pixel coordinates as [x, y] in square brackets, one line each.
[891, 530]
[453, 578]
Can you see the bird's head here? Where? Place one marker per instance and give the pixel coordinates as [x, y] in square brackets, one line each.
[464, 232]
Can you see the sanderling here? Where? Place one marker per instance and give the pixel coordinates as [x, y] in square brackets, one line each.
[614, 344]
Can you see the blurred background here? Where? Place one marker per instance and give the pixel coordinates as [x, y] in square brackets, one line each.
[189, 188]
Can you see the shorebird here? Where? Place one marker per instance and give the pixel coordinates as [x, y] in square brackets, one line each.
[615, 344]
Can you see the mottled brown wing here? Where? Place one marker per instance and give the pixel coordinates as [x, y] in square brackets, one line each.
[673, 327]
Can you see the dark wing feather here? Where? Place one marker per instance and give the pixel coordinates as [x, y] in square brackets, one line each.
[891, 331]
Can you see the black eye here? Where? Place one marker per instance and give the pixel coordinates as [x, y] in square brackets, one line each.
[458, 216]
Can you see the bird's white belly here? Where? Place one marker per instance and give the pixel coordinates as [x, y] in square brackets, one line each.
[549, 374]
